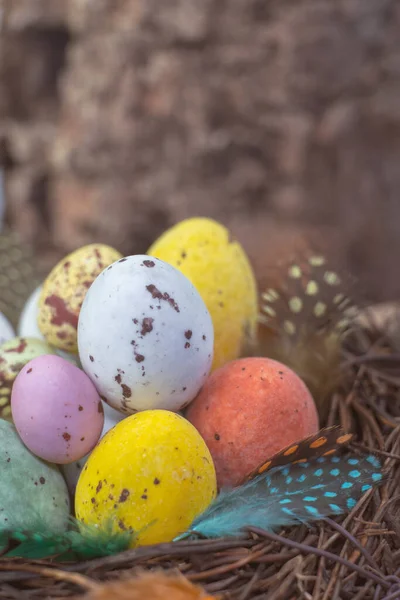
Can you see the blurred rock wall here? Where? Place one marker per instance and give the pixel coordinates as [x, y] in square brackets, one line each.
[280, 119]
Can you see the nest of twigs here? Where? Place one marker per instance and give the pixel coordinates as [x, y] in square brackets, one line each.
[354, 557]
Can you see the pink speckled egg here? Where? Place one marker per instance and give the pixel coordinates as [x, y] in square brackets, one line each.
[56, 409]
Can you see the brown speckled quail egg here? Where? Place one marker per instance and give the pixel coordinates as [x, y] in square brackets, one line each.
[145, 336]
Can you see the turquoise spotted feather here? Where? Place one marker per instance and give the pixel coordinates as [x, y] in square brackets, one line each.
[300, 492]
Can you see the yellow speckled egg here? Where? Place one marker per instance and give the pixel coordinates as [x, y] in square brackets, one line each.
[152, 473]
[218, 267]
[64, 291]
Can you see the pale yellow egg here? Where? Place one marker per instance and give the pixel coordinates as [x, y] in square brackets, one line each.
[218, 267]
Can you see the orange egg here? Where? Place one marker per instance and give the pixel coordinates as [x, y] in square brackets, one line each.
[247, 411]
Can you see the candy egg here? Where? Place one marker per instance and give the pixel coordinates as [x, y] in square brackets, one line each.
[28, 321]
[56, 409]
[247, 411]
[14, 354]
[217, 265]
[145, 336]
[33, 494]
[28, 324]
[64, 290]
[72, 471]
[6, 329]
[151, 473]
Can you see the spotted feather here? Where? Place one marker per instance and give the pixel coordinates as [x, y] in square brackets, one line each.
[301, 492]
[324, 443]
[309, 300]
[18, 276]
[304, 319]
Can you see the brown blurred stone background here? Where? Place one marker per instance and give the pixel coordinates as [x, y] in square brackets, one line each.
[280, 118]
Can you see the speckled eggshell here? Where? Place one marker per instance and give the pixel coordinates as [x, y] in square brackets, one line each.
[145, 336]
[64, 291]
[28, 324]
[72, 471]
[6, 329]
[32, 493]
[247, 411]
[56, 410]
[151, 473]
[14, 355]
[217, 265]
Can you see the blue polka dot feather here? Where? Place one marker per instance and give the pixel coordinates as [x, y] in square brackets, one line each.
[300, 492]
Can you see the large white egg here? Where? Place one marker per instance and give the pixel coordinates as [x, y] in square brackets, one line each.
[28, 324]
[145, 336]
[6, 329]
[72, 471]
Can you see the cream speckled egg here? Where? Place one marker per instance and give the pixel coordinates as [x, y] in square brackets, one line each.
[151, 473]
[14, 355]
[28, 325]
[145, 336]
[64, 291]
[218, 267]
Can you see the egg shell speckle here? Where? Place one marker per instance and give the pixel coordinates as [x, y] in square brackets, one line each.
[32, 493]
[247, 411]
[145, 336]
[151, 473]
[64, 290]
[72, 471]
[14, 354]
[56, 410]
[218, 267]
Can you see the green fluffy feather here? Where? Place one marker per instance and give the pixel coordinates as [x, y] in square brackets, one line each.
[78, 542]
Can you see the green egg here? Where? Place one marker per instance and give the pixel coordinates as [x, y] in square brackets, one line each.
[14, 355]
[33, 493]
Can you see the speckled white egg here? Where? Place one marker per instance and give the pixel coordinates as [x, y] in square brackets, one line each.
[145, 336]
[28, 324]
[6, 329]
[72, 471]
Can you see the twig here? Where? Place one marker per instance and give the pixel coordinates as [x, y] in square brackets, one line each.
[319, 552]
